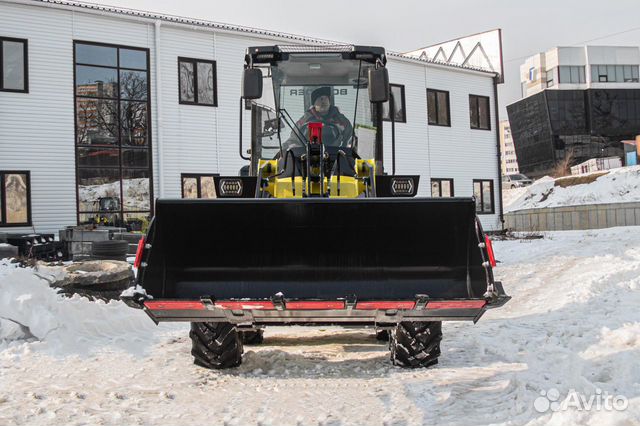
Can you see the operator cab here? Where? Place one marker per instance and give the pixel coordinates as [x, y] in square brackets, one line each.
[315, 84]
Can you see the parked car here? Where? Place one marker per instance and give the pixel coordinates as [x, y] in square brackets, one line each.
[515, 181]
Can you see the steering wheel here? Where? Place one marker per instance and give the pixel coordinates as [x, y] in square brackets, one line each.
[331, 134]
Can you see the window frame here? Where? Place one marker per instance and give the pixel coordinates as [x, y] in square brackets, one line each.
[579, 69]
[404, 105]
[550, 81]
[119, 146]
[440, 180]
[493, 197]
[3, 198]
[194, 62]
[436, 91]
[25, 53]
[477, 106]
[198, 177]
[618, 71]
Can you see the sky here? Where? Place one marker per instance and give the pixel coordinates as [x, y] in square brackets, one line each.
[528, 27]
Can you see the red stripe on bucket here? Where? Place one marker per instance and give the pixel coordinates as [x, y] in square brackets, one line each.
[489, 245]
[139, 250]
[240, 305]
[308, 305]
[367, 306]
[457, 304]
[179, 305]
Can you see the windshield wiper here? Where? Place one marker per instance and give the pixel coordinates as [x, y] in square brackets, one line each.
[355, 109]
[294, 127]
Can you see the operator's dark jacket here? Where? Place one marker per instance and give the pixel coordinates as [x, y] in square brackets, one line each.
[333, 117]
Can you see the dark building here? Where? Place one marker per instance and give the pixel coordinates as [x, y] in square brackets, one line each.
[552, 124]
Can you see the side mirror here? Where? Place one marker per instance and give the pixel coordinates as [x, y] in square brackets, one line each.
[252, 83]
[378, 85]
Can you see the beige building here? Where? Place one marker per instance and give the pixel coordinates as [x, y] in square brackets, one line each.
[577, 68]
[509, 161]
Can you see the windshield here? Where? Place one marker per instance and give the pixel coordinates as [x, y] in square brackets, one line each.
[329, 89]
[518, 177]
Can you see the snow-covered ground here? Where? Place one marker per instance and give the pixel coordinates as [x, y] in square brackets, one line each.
[615, 186]
[573, 323]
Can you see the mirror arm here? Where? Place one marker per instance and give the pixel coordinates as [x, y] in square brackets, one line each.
[240, 130]
[392, 115]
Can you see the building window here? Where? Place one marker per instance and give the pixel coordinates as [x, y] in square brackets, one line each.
[13, 65]
[483, 193]
[438, 107]
[571, 75]
[479, 112]
[198, 186]
[397, 91]
[441, 187]
[549, 78]
[614, 74]
[113, 134]
[15, 198]
[197, 82]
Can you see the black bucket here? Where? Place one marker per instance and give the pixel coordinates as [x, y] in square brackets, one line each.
[365, 248]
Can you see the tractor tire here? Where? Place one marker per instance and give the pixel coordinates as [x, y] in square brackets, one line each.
[252, 337]
[416, 344]
[215, 345]
[382, 335]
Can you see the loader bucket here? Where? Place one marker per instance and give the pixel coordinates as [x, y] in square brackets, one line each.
[313, 248]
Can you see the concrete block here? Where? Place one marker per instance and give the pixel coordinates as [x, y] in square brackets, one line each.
[602, 218]
[526, 222]
[637, 215]
[611, 218]
[630, 218]
[620, 219]
[566, 221]
[557, 217]
[542, 222]
[551, 221]
[81, 247]
[82, 235]
[575, 220]
[508, 220]
[583, 219]
[592, 221]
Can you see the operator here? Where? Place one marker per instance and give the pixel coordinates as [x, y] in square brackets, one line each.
[337, 129]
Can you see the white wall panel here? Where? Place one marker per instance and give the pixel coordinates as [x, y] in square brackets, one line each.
[37, 129]
[460, 152]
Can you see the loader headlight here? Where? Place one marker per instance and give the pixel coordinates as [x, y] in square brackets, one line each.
[231, 187]
[402, 186]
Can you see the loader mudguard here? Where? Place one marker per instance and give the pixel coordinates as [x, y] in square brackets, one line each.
[365, 249]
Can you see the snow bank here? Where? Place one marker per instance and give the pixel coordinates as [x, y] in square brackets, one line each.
[617, 186]
[573, 324]
[32, 310]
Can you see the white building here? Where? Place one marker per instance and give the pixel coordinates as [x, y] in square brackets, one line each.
[62, 63]
[507, 149]
[585, 67]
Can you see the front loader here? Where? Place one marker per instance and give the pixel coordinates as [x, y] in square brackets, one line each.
[316, 233]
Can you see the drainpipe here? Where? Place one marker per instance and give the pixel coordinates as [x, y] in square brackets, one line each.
[159, 122]
[499, 154]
